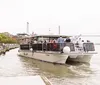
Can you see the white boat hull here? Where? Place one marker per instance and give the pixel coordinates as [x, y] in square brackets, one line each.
[45, 56]
[56, 57]
[81, 58]
[84, 57]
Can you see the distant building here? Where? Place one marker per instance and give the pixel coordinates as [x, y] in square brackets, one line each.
[23, 38]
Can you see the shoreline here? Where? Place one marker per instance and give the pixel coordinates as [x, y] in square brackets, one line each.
[6, 47]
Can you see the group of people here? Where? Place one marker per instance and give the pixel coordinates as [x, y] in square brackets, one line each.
[61, 41]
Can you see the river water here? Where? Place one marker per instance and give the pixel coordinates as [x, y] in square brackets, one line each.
[70, 74]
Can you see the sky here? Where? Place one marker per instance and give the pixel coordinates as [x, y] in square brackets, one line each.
[73, 16]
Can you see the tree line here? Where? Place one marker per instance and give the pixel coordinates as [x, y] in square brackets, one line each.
[6, 39]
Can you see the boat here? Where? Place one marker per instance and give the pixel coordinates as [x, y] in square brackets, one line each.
[72, 51]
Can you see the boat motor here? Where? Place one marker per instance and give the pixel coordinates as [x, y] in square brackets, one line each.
[66, 49]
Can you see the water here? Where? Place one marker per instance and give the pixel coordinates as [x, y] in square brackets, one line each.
[70, 74]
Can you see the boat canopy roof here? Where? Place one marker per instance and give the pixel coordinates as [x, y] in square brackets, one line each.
[52, 36]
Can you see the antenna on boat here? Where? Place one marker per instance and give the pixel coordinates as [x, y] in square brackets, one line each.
[59, 30]
[49, 30]
[76, 37]
[27, 31]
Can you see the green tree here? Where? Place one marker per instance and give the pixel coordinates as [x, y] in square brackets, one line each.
[6, 39]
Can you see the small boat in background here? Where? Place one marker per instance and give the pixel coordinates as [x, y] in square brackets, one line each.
[73, 50]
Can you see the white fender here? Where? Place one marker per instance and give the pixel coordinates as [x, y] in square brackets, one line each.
[66, 49]
[31, 49]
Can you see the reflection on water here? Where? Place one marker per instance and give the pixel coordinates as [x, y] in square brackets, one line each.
[70, 74]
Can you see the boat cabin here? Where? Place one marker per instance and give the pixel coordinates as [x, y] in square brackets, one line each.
[45, 42]
[49, 43]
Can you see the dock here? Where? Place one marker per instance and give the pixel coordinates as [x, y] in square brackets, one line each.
[25, 80]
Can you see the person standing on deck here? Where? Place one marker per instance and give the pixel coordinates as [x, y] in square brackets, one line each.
[44, 46]
[60, 41]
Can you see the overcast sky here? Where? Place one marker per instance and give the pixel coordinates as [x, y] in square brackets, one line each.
[73, 16]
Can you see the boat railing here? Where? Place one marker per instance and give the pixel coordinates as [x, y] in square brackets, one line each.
[88, 46]
[84, 47]
[70, 45]
[56, 46]
[52, 46]
[45, 47]
[24, 46]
